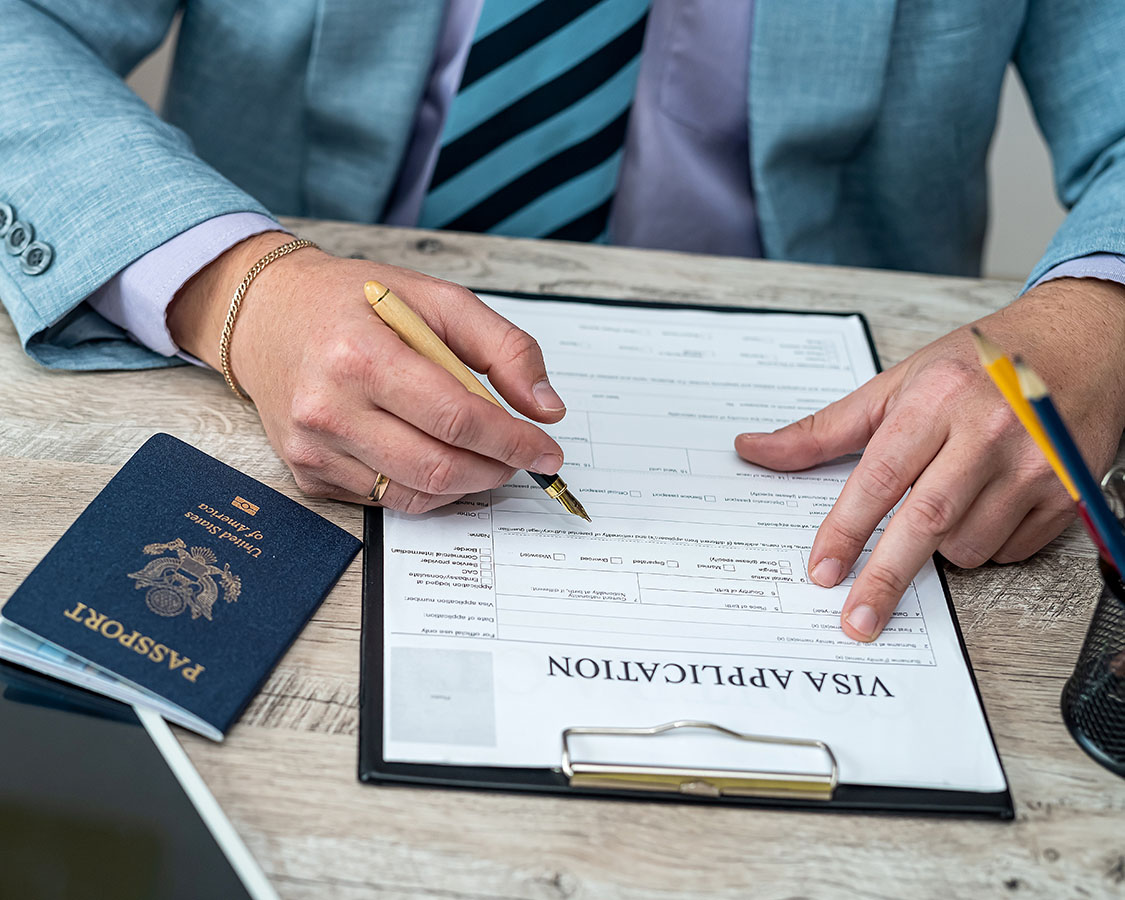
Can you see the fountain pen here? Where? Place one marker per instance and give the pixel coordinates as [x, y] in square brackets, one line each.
[420, 338]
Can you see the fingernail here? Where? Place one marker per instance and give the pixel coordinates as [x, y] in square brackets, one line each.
[547, 464]
[827, 572]
[865, 621]
[545, 396]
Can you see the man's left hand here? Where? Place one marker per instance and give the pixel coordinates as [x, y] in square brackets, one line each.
[936, 425]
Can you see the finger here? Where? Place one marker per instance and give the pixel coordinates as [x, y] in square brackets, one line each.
[352, 481]
[897, 454]
[383, 442]
[841, 427]
[936, 503]
[1041, 526]
[420, 392]
[508, 355]
[410, 457]
[410, 501]
[995, 514]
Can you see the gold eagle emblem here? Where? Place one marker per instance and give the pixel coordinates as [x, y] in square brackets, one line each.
[185, 581]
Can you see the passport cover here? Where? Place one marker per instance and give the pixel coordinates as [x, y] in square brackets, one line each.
[186, 577]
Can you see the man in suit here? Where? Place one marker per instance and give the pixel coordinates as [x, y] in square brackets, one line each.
[804, 131]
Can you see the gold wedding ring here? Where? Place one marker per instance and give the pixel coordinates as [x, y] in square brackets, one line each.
[379, 488]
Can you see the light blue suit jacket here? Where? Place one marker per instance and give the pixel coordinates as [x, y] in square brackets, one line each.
[869, 127]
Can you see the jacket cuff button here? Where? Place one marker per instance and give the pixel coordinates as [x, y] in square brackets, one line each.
[36, 258]
[7, 217]
[19, 235]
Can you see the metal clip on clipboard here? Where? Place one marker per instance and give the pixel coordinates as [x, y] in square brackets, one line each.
[700, 782]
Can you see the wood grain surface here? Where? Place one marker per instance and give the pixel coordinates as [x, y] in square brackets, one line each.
[287, 774]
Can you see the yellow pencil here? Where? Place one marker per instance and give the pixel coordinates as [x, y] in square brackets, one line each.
[1003, 375]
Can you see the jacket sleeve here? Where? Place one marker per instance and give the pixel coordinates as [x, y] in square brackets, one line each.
[94, 178]
[1071, 58]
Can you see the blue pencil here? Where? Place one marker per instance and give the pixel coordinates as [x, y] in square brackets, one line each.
[1033, 388]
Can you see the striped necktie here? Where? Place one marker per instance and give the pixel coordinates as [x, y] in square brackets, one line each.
[533, 139]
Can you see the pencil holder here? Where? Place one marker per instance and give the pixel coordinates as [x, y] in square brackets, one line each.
[1093, 700]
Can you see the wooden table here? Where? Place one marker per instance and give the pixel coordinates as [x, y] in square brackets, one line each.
[287, 774]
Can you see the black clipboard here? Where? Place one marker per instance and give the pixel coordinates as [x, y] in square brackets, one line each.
[687, 785]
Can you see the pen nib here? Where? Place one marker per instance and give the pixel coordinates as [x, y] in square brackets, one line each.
[557, 490]
[570, 502]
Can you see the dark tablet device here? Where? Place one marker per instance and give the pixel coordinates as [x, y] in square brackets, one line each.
[98, 800]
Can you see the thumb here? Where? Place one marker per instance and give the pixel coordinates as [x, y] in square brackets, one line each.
[840, 428]
[510, 357]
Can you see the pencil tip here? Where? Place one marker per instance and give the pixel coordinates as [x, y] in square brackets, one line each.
[1031, 385]
[986, 349]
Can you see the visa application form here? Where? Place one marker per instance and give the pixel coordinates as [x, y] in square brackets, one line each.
[507, 620]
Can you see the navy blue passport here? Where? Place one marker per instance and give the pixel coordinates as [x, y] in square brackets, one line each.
[184, 578]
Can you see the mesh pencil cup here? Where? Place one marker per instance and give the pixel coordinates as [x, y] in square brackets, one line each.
[1093, 700]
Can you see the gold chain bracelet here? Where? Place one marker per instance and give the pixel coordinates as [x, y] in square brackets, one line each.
[236, 304]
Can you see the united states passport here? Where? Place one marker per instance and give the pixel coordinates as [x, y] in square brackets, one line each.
[184, 580]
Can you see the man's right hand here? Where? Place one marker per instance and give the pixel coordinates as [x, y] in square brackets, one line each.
[342, 398]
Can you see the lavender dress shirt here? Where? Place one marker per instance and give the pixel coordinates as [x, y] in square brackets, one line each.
[687, 132]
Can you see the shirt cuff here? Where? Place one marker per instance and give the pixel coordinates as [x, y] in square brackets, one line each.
[136, 299]
[1106, 266]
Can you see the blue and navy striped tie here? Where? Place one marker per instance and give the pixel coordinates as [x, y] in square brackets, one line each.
[532, 143]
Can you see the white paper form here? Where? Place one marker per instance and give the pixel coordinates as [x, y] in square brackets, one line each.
[507, 620]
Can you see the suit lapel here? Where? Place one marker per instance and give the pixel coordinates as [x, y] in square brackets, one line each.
[367, 70]
[817, 69]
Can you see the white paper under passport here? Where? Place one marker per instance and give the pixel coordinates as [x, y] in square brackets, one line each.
[507, 620]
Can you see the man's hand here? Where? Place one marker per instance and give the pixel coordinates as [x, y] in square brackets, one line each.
[935, 424]
[342, 397]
